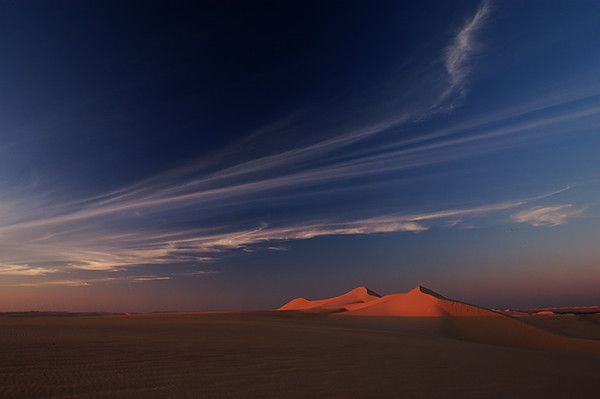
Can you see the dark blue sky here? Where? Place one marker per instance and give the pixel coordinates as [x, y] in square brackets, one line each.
[173, 155]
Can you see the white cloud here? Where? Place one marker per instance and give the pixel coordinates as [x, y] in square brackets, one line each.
[80, 234]
[552, 215]
[94, 281]
[93, 249]
[152, 278]
[24, 270]
[51, 283]
[460, 52]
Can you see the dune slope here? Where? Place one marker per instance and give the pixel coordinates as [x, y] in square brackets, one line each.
[460, 320]
[357, 296]
[418, 302]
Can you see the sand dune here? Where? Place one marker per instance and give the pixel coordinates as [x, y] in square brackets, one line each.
[359, 295]
[418, 302]
[459, 320]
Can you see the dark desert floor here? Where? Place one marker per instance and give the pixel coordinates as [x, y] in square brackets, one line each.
[278, 355]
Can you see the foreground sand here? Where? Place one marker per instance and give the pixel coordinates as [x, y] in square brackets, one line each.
[279, 355]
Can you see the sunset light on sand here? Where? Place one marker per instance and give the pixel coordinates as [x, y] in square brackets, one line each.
[189, 191]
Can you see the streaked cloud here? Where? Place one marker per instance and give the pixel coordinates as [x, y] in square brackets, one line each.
[179, 188]
[458, 56]
[96, 251]
[300, 165]
[53, 283]
[140, 224]
[551, 215]
[152, 278]
[278, 248]
[24, 270]
[87, 282]
[100, 233]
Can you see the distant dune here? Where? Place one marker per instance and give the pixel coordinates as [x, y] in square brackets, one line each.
[459, 320]
[557, 310]
[358, 296]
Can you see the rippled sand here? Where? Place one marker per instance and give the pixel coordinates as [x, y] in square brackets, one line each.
[280, 355]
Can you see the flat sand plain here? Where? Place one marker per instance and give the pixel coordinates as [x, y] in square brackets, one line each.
[282, 355]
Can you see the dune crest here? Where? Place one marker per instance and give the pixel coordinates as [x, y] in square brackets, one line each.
[359, 295]
[418, 302]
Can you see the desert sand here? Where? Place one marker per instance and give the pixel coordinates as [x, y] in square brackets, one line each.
[460, 320]
[356, 345]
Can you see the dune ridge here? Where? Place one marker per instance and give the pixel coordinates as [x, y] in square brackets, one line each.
[460, 320]
[418, 302]
[359, 295]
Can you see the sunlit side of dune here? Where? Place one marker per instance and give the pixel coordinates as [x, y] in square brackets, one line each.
[359, 295]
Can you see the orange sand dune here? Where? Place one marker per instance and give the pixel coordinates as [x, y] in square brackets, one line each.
[419, 302]
[460, 320]
[359, 295]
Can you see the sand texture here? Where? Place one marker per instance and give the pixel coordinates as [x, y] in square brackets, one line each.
[280, 355]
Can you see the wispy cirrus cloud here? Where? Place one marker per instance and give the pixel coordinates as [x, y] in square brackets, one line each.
[94, 250]
[75, 233]
[152, 278]
[459, 54]
[179, 188]
[302, 164]
[25, 270]
[82, 236]
[87, 282]
[147, 222]
[53, 283]
[550, 215]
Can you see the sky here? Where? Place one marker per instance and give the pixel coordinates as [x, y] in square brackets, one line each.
[234, 155]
